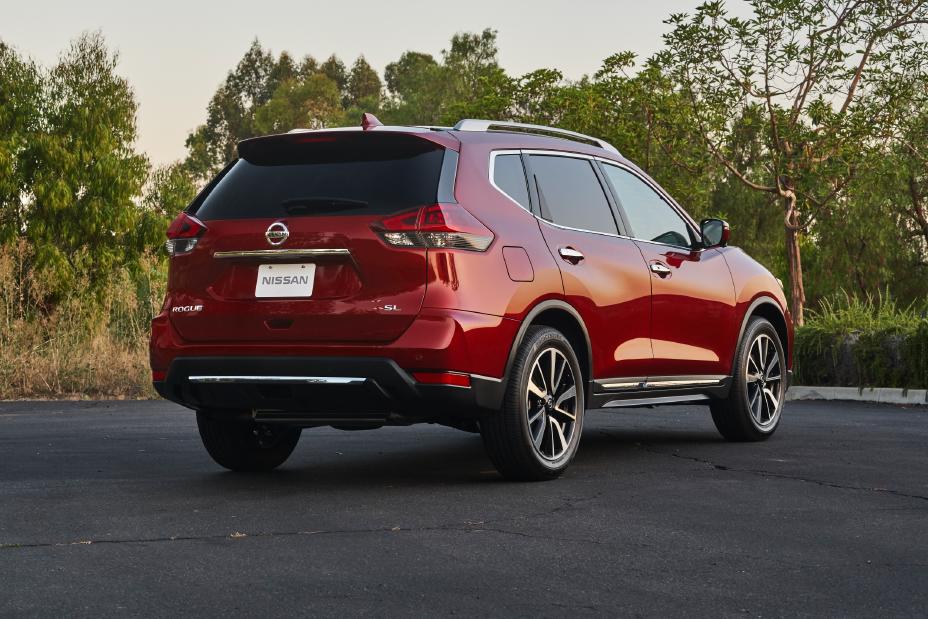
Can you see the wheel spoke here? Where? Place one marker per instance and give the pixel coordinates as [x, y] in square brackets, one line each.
[552, 384]
[753, 404]
[774, 363]
[539, 436]
[567, 414]
[772, 400]
[534, 418]
[536, 390]
[560, 436]
[559, 378]
[568, 394]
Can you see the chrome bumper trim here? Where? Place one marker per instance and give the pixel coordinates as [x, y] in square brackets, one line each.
[294, 380]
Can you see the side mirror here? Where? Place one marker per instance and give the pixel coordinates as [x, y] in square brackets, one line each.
[715, 232]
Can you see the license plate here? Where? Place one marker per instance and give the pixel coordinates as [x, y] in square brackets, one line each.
[285, 280]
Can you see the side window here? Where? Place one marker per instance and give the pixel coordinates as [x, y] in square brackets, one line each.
[650, 217]
[571, 194]
[509, 176]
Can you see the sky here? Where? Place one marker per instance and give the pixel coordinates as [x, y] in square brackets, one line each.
[176, 53]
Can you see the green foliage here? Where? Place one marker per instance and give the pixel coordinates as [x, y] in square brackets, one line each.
[20, 116]
[363, 86]
[864, 341]
[82, 215]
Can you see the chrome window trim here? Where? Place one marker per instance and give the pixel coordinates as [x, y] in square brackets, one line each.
[281, 253]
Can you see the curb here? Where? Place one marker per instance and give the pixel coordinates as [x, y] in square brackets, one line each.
[880, 395]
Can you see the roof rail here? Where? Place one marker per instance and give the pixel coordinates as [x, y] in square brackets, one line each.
[472, 124]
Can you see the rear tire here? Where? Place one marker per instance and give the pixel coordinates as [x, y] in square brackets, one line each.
[536, 434]
[244, 445]
[752, 410]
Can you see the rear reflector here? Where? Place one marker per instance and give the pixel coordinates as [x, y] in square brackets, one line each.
[158, 376]
[454, 379]
[439, 226]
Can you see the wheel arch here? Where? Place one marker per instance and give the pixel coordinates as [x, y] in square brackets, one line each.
[767, 308]
[565, 318]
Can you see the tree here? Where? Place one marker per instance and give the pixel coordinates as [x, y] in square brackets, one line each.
[363, 85]
[335, 70]
[410, 75]
[311, 103]
[231, 111]
[83, 217]
[818, 71]
[20, 119]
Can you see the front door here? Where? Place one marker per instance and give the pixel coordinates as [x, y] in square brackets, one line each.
[693, 297]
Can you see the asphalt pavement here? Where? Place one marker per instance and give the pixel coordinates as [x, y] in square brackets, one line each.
[114, 508]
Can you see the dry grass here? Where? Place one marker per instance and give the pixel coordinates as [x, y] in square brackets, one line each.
[91, 345]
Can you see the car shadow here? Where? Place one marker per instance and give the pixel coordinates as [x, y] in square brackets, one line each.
[447, 459]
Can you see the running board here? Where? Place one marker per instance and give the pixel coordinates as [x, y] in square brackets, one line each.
[656, 401]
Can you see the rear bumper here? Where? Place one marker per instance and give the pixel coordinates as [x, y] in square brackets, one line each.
[323, 390]
[269, 374]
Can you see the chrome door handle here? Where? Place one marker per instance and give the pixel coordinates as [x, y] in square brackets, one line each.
[570, 254]
[660, 269]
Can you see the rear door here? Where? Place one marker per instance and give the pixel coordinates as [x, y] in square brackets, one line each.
[290, 253]
[604, 275]
[693, 297]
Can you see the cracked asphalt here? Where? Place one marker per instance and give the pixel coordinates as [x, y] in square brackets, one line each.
[114, 508]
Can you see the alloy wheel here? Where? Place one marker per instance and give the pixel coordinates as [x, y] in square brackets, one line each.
[551, 404]
[764, 375]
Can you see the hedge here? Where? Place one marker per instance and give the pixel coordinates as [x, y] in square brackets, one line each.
[863, 343]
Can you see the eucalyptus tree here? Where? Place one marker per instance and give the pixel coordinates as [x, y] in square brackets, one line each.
[818, 72]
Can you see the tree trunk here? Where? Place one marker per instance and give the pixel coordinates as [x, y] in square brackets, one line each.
[797, 292]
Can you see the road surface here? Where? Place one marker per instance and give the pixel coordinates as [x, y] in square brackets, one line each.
[114, 508]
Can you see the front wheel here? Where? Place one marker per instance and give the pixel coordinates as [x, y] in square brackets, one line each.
[751, 412]
[536, 434]
[245, 445]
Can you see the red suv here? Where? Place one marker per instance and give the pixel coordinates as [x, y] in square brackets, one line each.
[495, 277]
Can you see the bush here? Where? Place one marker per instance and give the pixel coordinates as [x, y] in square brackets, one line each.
[91, 343]
[863, 342]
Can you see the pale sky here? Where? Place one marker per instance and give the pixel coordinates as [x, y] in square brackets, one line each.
[176, 53]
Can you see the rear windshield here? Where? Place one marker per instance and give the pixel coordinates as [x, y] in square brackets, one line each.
[293, 176]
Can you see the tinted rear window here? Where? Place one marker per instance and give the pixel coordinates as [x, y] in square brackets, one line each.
[509, 176]
[350, 175]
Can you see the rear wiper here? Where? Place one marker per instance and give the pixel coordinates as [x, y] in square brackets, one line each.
[313, 204]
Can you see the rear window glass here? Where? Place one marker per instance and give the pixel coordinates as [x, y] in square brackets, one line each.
[356, 175]
[509, 176]
[571, 195]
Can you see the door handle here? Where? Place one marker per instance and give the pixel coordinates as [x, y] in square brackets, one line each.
[570, 254]
[660, 269]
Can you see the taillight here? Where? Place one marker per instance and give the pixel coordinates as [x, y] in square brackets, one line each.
[440, 226]
[183, 234]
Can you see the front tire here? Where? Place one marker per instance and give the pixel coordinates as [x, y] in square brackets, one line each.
[245, 445]
[535, 435]
[752, 410]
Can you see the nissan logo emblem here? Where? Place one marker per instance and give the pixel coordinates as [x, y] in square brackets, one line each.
[277, 233]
